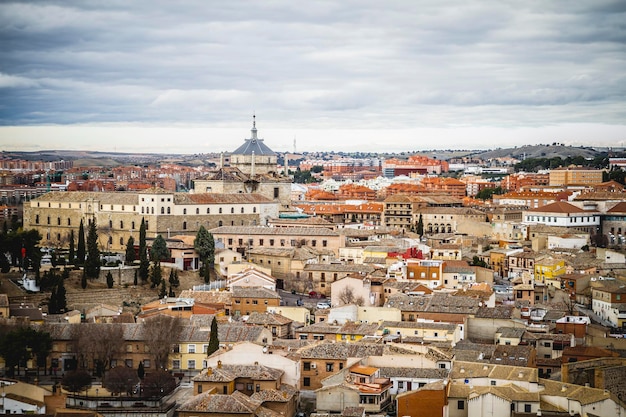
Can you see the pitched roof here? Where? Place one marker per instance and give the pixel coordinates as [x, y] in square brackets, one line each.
[559, 207]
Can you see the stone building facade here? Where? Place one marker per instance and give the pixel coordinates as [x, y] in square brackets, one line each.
[118, 215]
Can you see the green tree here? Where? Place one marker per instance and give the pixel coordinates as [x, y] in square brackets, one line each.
[72, 253]
[420, 226]
[58, 301]
[155, 276]
[76, 381]
[92, 263]
[130, 251]
[173, 279]
[214, 342]
[162, 289]
[109, 280]
[22, 344]
[141, 372]
[159, 250]
[204, 244]
[80, 250]
[144, 263]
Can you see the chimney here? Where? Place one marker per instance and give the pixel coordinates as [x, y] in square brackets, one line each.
[219, 364]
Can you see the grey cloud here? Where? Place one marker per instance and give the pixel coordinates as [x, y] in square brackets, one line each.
[331, 64]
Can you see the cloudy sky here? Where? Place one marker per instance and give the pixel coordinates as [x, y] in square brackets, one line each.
[343, 75]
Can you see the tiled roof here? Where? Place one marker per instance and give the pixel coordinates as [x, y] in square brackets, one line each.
[430, 373]
[462, 370]
[254, 292]
[214, 198]
[268, 319]
[282, 395]
[227, 373]
[276, 231]
[84, 196]
[559, 207]
[339, 350]
[582, 394]
[497, 312]
[511, 332]
[220, 403]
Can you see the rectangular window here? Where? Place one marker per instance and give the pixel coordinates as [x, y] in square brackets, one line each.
[191, 349]
[330, 366]
[146, 363]
[129, 363]
[191, 364]
[460, 405]
[306, 381]
[176, 364]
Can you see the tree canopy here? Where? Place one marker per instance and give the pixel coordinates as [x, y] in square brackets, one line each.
[92, 263]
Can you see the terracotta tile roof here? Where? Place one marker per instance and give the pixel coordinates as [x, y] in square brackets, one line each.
[430, 373]
[560, 207]
[282, 395]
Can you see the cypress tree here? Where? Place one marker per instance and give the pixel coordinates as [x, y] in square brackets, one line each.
[80, 251]
[162, 290]
[109, 280]
[214, 343]
[92, 264]
[130, 251]
[420, 226]
[144, 263]
[72, 253]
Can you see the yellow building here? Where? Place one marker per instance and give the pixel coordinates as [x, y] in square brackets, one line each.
[548, 271]
[575, 176]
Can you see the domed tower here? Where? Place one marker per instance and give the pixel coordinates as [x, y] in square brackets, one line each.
[254, 157]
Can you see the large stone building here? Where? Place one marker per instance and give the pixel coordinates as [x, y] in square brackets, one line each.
[575, 176]
[252, 169]
[118, 215]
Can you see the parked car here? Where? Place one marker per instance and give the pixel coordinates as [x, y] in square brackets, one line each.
[314, 294]
[323, 304]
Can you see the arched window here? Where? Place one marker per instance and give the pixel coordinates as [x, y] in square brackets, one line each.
[254, 209]
[168, 210]
[152, 211]
[48, 219]
[232, 210]
[197, 210]
[220, 210]
[111, 224]
[208, 210]
[184, 225]
[110, 240]
[162, 210]
[219, 223]
[69, 221]
[142, 210]
[121, 224]
[242, 210]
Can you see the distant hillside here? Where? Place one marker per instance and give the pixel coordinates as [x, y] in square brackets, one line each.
[539, 151]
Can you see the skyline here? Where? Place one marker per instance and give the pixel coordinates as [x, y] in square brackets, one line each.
[339, 76]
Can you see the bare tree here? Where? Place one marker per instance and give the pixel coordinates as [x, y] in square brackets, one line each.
[121, 379]
[158, 383]
[98, 344]
[161, 333]
[346, 296]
